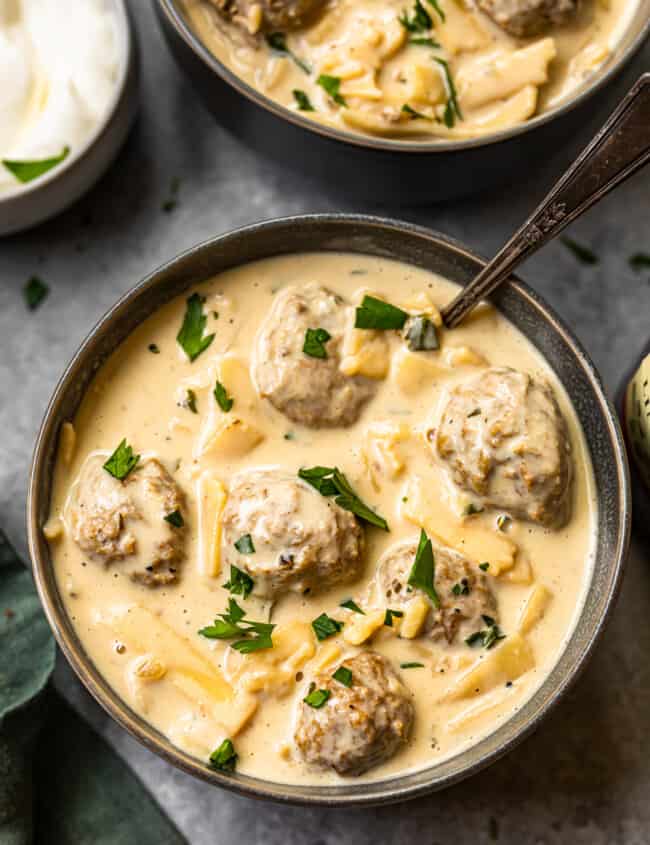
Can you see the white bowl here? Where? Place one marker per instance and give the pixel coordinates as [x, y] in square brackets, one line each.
[32, 203]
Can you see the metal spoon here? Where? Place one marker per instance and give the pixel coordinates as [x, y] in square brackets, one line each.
[620, 149]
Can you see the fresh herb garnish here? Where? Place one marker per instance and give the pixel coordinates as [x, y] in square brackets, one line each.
[122, 461]
[488, 637]
[27, 170]
[315, 340]
[175, 518]
[332, 85]
[302, 100]
[317, 697]
[461, 588]
[349, 604]
[255, 636]
[423, 41]
[436, 7]
[224, 401]
[484, 566]
[423, 570]
[224, 758]
[343, 675]
[471, 509]
[190, 401]
[376, 314]
[277, 41]
[245, 545]
[330, 481]
[324, 626]
[190, 337]
[421, 335]
[503, 520]
[419, 22]
[452, 109]
[240, 583]
[153, 347]
[412, 665]
[388, 618]
[35, 290]
[413, 114]
[582, 253]
[639, 261]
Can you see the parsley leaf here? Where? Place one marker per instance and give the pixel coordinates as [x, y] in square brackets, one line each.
[488, 637]
[190, 337]
[317, 697]
[413, 665]
[421, 20]
[190, 401]
[343, 675]
[122, 461]
[35, 290]
[324, 626]
[224, 401]
[277, 41]
[175, 518]
[240, 583]
[423, 571]
[452, 109]
[224, 758]
[421, 335]
[413, 114]
[388, 618]
[484, 566]
[436, 7]
[255, 635]
[376, 314]
[245, 545]
[315, 340]
[330, 481]
[26, 171]
[582, 253]
[349, 604]
[302, 100]
[423, 42]
[332, 85]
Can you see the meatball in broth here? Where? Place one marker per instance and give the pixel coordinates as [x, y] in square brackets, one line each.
[505, 441]
[312, 391]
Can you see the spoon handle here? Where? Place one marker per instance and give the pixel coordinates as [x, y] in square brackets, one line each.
[620, 148]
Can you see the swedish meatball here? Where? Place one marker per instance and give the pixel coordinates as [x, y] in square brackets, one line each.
[524, 18]
[268, 15]
[505, 441]
[311, 391]
[114, 520]
[359, 726]
[463, 590]
[302, 541]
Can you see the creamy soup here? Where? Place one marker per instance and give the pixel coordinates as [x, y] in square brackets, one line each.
[244, 598]
[447, 69]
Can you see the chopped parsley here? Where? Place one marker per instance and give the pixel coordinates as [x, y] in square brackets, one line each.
[324, 626]
[376, 314]
[224, 758]
[436, 7]
[315, 340]
[175, 518]
[422, 573]
[484, 566]
[190, 401]
[488, 637]
[421, 335]
[388, 618]
[349, 604]
[122, 461]
[254, 636]
[302, 100]
[452, 109]
[412, 113]
[153, 347]
[190, 337]
[317, 697]
[461, 588]
[224, 401]
[240, 583]
[423, 41]
[639, 261]
[332, 85]
[245, 545]
[420, 21]
[277, 41]
[412, 665]
[343, 675]
[35, 290]
[29, 169]
[330, 481]
[582, 253]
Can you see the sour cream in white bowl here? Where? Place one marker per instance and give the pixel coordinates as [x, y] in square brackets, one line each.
[68, 95]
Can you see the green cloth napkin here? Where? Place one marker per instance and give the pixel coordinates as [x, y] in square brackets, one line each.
[60, 783]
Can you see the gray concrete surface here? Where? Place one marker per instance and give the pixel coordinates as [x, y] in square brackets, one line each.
[585, 776]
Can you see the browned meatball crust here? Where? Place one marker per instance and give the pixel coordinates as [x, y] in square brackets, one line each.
[268, 15]
[525, 18]
[310, 391]
[505, 441]
[463, 590]
[114, 520]
[359, 726]
[302, 541]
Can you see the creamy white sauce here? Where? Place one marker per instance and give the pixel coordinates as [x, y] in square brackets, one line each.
[59, 67]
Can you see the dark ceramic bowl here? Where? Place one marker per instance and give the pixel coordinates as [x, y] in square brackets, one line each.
[375, 169]
[372, 236]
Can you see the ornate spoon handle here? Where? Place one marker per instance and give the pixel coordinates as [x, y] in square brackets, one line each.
[620, 148]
